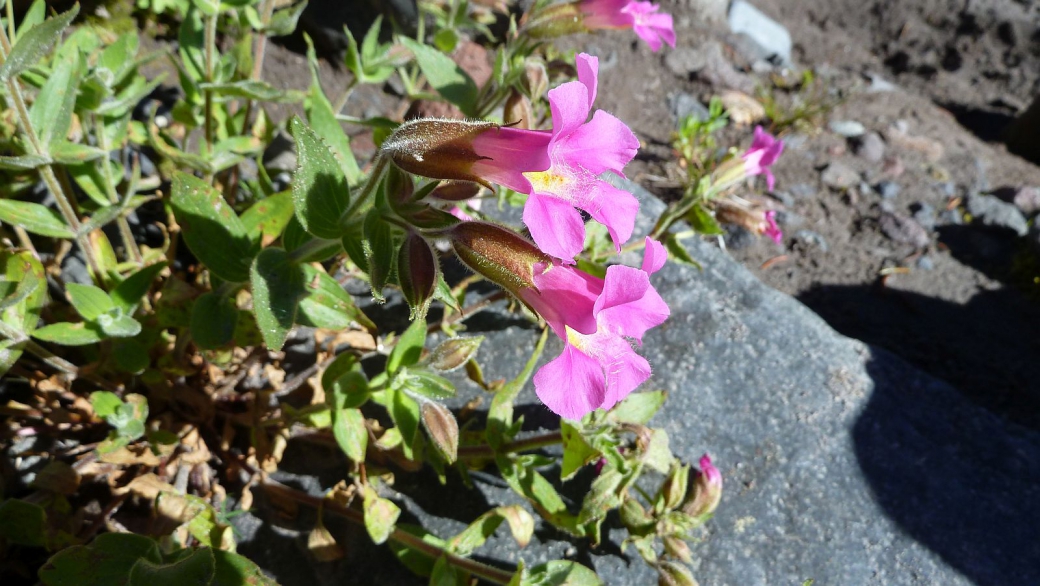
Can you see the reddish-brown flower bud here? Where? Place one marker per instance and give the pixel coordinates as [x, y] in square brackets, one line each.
[439, 149]
[497, 253]
[417, 271]
[517, 111]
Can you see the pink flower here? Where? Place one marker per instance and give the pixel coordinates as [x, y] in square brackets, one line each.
[764, 151]
[642, 17]
[594, 317]
[771, 229]
[707, 490]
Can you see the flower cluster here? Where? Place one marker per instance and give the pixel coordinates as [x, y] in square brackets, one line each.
[561, 172]
[642, 17]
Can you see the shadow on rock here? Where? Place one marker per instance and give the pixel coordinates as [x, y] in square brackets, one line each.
[957, 479]
[986, 348]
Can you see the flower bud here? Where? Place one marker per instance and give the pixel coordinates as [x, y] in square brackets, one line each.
[454, 353]
[443, 429]
[439, 149]
[707, 490]
[555, 20]
[517, 111]
[455, 191]
[417, 271]
[498, 254]
[673, 574]
[677, 548]
[635, 517]
[674, 488]
[399, 187]
[536, 78]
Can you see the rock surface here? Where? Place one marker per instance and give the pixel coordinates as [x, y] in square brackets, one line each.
[842, 463]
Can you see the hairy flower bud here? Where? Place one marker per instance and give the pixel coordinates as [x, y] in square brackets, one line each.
[417, 271]
[499, 254]
[455, 191]
[555, 20]
[677, 548]
[673, 574]
[443, 429]
[440, 149]
[674, 488]
[517, 111]
[707, 490]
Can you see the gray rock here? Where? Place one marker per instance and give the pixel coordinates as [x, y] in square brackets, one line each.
[888, 189]
[803, 191]
[682, 61]
[870, 146]
[738, 237]
[783, 197]
[1027, 199]
[841, 462]
[951, 218]
[280, 154]
[789, 219]
[839, 175]
[772, 39]
[812, 239]
[904, 230]
[925, 263]
[847, 128]
[990, 211]
[924, 214]
[683, 104]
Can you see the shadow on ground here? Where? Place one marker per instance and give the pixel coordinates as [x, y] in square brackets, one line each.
[955, 478]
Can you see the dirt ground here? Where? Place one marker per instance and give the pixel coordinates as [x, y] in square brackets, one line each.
[905, 268]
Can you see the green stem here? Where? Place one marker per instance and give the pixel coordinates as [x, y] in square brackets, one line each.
[524, 445]
[378, 166]
[413, 542]
[68, 212]
[110, 188]
[342, 101]
[305, 249]
[210, 48]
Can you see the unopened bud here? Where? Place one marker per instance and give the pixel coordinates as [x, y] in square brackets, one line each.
[674, 488]
[417, 271]
[536, 78]
[635, 517]
[399, 187]
[498, 254]
[673, 574]
[555, 20]
[436, 148]
[707, 490]
[443, 429]
[455, 191]
[677, 548]
[454, 353]
[517, 111]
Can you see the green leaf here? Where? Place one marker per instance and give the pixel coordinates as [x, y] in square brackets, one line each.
[638, 408]
[22, 162]
[561, 573]
[51, 113]
[35, 218]
[348, 426]
[119, 58]
[253, 90]
[211, 229]
[380, 251]
[265, 220]
[130, 356]
[283, 22]
[450, 81]
[89, 178]
[327, 305]
[277, 287]
[406, 415]
[70, 334]
[576, 451]
[416, 561]
[424, 383]
[520, 522]
[409, 347]
[118, 325]
[295, 238]
[21, 308]
[196, 567]
[127, 294]
[105, 403]
[105, 562]
[678, 252]
[128, 418]
[23, 523]
[233, 569]
[213, 321]
[319, 189]
[703, 221]
[445, 574]
[89, 300]
[380, 515]
[323, 120]
[33, 44]
[73, 153]
[345, 385]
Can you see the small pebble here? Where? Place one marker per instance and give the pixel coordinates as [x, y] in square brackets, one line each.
[888, 189]
[925, 263]
[811, 238]
[847, 128]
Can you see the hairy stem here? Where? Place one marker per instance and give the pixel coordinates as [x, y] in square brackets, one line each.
[524, 445]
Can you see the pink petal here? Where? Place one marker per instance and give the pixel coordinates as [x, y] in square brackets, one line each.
[624, 373]
[588, 73]
[569, 103]
[614, 208]
[603, 144]
[510, 152]
[556, 227]
[565, 297]
[572, 385]
[600, 14]
[654, 256]
[629, 305]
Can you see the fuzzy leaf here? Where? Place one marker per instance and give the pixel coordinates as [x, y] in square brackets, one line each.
[319, 188]
[106, 561]
[90, 301]
[380, 516]
[277, 286]
[409, 347]
[70, 334]
[35, 218]
[212, 230]
[213, 321]
[33, 44]
[196, 567]
[327, 305]
[127, 294]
